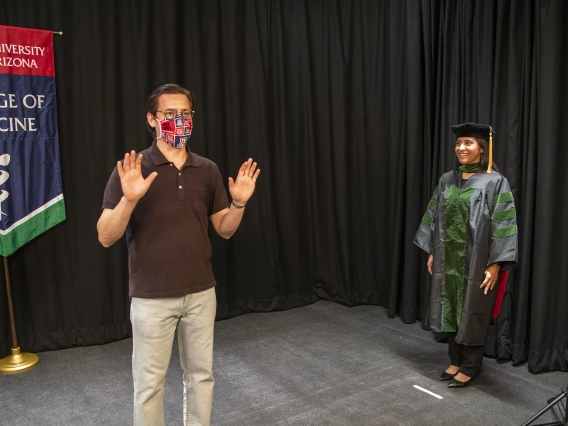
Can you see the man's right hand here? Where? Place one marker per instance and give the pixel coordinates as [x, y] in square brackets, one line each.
[134, 186]
[430, 263]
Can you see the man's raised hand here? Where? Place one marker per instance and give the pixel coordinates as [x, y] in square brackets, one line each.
[242, 187]
[134, 186]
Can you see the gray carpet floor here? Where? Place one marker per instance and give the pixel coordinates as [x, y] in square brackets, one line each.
[323, 364]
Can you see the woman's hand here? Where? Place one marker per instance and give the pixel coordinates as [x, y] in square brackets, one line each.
[430, 263]
[491, 276]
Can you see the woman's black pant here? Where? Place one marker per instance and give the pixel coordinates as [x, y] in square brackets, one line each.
[468, 358]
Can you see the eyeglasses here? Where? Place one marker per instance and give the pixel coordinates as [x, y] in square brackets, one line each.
[171, 113]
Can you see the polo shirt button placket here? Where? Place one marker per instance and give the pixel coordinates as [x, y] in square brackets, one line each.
[181, 192]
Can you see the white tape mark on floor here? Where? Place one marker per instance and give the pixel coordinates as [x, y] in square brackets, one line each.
[428, 392]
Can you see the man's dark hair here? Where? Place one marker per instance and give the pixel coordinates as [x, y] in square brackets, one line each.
[166, 89]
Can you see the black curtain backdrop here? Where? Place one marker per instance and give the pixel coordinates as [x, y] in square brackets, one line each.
[346, 105]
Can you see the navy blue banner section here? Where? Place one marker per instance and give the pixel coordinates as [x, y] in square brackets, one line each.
[31, 194]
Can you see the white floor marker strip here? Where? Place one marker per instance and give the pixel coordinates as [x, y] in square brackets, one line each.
[428, 392]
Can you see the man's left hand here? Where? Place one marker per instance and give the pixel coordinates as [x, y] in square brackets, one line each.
[242, 188]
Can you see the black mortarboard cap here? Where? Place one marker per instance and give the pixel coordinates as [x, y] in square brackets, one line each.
[472, 129]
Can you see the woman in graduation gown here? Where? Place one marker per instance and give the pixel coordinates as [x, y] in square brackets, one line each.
[470, 232]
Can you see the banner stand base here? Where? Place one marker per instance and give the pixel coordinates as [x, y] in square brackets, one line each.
[18, 362]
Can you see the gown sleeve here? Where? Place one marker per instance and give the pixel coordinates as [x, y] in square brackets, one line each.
[423, 237]
[503, 239]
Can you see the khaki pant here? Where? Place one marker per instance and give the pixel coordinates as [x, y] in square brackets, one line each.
[154, 323]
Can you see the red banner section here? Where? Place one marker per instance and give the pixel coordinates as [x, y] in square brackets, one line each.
[26, 52]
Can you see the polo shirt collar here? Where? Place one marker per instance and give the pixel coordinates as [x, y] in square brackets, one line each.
[158, 157]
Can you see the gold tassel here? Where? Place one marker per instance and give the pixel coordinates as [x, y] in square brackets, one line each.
[490, 162]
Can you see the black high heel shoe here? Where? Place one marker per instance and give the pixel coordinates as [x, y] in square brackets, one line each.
[447, 376]
[457, 384]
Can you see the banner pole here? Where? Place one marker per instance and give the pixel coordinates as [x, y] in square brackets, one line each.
[19, 361]
[10, 306]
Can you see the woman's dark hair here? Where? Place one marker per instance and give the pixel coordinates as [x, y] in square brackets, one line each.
[485, 154]
[166, 89]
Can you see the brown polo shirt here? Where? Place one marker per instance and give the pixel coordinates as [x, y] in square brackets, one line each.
[169, 252]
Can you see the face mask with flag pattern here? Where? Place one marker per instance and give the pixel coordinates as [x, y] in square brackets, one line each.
[176, 131]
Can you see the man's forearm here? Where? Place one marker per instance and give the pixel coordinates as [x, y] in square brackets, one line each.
[231, 221]
[112, 224]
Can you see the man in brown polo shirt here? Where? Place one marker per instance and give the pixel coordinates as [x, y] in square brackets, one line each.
[163, 198]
